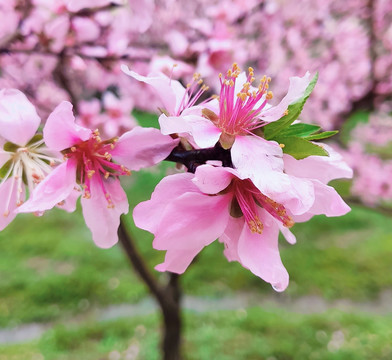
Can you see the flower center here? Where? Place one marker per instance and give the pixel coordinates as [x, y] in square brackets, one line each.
[238, 112]
[93, 158]
[249, 198]
[27, 166]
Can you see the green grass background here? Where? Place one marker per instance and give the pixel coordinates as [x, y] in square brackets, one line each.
[52, 273]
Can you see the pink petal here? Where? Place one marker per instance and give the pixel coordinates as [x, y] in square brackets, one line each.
[251, 154]
[55, 188]
[170, 91]
[298, 197]
[289, 236]
[186, 222]
[262, 162]
[147, 215]
[260, 253]
[18, 118]
[327, 202]
[177, 261]
[204, 132]
[9, 191]
[69, 204]
[296, 90]
[212, 180]
[230, 238]
[60, 131]
[173, 125]
[323, 168]
[142, 147]
[100, 219]
[3, 157]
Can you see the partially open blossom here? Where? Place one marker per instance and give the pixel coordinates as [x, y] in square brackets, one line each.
[179, 102]
[24, 158]
[92, 166]
[245, 219]
[176, 99]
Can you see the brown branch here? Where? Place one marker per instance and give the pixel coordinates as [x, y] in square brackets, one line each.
[137, 262]
[61, 77]
[168, 297]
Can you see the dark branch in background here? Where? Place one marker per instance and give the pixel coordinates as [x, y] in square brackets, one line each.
[244, 16]
[61, 78]
[26, 6]
[193, 158]
[71, 53]
[91, 11]
[367, 101]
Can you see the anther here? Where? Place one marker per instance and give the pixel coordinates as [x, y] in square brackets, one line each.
[90, 173]
[269, 95]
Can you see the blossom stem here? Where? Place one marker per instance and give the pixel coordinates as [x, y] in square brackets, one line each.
[193, 158]
[168, 296]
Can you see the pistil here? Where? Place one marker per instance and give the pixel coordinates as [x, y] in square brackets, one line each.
[94, 160]
[238, 112]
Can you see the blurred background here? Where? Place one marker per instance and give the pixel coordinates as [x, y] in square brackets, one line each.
[63, 298]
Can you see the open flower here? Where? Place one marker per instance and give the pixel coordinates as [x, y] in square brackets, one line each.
[247, 221]
[24, 158]
[93, 166]
[232, 120]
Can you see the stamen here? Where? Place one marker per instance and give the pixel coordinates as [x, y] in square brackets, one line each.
[94, 161]
[249, 198]
[239, 114]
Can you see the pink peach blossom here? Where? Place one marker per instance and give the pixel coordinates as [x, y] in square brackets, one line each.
[24, 158]
[247, 221]
[93, 167]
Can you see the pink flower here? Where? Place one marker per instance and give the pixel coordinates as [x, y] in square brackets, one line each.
[24, 158]
[179, 102]
[245, 219]
[176, 99]
[180, 215]
[93, 166]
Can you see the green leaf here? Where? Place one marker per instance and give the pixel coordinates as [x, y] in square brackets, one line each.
[300, 148]
[322, 135]
[294, 110]
[5, 168]
[11, 147]
[301, 130]
[35, 138]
